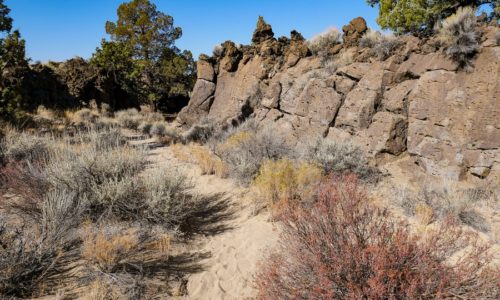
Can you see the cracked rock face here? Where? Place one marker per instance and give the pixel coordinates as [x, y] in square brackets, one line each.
[416, 102]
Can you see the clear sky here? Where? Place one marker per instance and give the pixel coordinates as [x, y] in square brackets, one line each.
[61, 29]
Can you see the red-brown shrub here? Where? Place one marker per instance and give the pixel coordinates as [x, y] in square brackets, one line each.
[341, 246]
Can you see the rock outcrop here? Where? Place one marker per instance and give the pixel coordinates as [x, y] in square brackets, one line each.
[416, 102]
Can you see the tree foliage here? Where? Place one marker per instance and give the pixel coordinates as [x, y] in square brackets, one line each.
[419, 16]
[13, 68]
[142, 50]
[5, 20]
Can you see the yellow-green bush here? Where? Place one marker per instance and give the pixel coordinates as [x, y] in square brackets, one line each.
[284, 180]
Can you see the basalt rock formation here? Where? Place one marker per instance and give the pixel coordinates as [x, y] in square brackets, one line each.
[417, 102]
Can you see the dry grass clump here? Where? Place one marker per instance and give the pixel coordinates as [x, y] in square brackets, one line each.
[284, 180]
[40, 246]
[44, 117]
[341, 246]
[382, 46]
[339, 157]
[131, 118]
[208, 162]
[126, 253]
[111, 247]
[438, 200]
[321, 44]
[84, 117]
[181, 152]
[164, 130]
[458, 35]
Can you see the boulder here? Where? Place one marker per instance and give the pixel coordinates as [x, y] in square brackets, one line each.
[395, 99]
[272, 95]
[387, 133]
[205, 69]
[343, 84]
[298, 49]
[354, 31]
[358, 109]
[232, 57]
[199, 104]
[355, 70]
[318, 102]
[362, 102]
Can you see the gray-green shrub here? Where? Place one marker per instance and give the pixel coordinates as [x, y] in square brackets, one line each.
[17, 145]
[245, 150]
[320, 44]
[381, 46]
[458, 35]
[340, 157]
[446, 199]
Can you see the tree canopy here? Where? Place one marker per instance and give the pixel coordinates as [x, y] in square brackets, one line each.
[5, 20]
[13, 68]
[419, 16]
[142, 51]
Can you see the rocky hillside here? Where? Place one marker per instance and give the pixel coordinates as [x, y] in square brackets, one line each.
[413, 100]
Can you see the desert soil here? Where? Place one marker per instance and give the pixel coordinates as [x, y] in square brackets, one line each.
[231, 257]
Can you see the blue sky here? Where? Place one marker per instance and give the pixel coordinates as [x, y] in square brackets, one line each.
[61, 29]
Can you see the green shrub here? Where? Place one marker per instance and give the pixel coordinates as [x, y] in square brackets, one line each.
[284, 180]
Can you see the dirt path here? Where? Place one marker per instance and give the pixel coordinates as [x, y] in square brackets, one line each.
[233, 255]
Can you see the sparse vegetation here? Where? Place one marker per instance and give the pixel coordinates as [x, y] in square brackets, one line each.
[244, 150]
[208, 162]
[95, 202]
[200, 132]
[17, 146]
[322, 43]
[88, 198]
[339, 157]
[382, 46]
[341, 246]
[285, 181]
[438, 200]
[218, 50]
[458, 35]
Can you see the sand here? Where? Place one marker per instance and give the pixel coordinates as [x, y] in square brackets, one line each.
[233, 255]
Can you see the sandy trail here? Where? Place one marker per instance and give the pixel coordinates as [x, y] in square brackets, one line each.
[234, 254]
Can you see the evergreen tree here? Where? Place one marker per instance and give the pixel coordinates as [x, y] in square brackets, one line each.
[13, 69]
[419, 16]
[146, 37]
